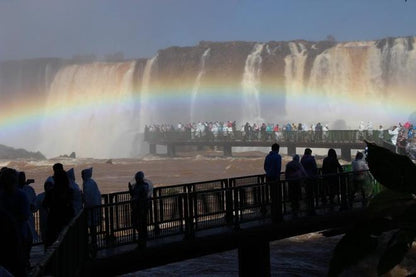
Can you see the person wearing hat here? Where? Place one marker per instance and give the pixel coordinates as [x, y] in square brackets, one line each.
[92, 202]
[139, 193]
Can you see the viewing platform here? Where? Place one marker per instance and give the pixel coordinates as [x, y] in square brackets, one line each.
[345, 140]
[196, 219]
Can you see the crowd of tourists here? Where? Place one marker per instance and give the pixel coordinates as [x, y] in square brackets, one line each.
[245, 132]
[60, 202]
[302, 173]
[403, 136]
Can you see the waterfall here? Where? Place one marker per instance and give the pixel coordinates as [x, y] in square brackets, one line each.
[294, 68]
[399, 62]
[88, 111]
[95, 110]
[251, 85]
[197, 82]
[147, 110]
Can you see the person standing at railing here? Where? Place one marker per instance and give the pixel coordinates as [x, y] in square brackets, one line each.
[11, 259]
[139, 193]
[331, 167]
[295, 174]
[43, 213]
[77, 199]
[15, 205]
[31, 196]
[394, 132]
[273, 167]
[360, 169]
[309, 164]
[92, 199]
[58, 203]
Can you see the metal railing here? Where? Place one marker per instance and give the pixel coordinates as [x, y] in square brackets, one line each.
[210, 199]
[331, 136]
[190, 208]
[184, 210]
[66, 256]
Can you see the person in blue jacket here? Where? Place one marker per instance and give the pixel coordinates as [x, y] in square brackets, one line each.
[273, 167]
[273, 164]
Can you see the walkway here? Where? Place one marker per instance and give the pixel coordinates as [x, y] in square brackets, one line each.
[209, 217]
[345, 140]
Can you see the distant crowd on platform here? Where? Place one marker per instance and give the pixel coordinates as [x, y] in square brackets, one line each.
[250, 132]
[60, 202]
[402, 136]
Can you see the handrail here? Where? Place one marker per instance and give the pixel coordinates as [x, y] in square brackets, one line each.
[190, 211]
[158, 136]
[59, 258]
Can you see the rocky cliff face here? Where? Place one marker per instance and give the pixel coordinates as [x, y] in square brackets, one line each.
[77, 103]
[10, 153]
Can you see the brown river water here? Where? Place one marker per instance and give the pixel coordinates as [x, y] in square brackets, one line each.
[306, 255]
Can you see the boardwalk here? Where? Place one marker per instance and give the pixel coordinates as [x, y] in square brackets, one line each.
[345, 140]
[213, 216]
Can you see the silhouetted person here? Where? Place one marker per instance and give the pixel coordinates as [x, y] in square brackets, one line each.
[11, 254]
[140, 204]
[14, 230]
[311, 186]
[43, 212]
[31, 196]
[295, 174]
[272, 167]
[92, 196]
[331, 167]
[77, 199]
[59, 204]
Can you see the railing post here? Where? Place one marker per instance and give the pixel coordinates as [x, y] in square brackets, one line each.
[236, 192]
[106, 218]
[276, 195]
[155, 212]
[229, 205]
[111, 219]
[180, 203]
[227, 150]
[189, 218]
[152, 148]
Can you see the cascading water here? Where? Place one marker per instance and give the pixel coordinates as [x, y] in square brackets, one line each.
[147, 109]
[88, 111]
[197, 83]
[251, 85]
[353, 77]
[92, 109]
[294, 68]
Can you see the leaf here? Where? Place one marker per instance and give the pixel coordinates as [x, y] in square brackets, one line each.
[389, 203]
[355, 245]
[397, 248]
[407, 220]
[396, 172]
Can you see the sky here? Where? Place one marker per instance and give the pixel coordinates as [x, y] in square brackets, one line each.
[139, 28]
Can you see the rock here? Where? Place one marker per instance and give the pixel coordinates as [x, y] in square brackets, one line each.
[9, 153]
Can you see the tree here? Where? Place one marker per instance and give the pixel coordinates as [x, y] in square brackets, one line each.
[331, 38]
